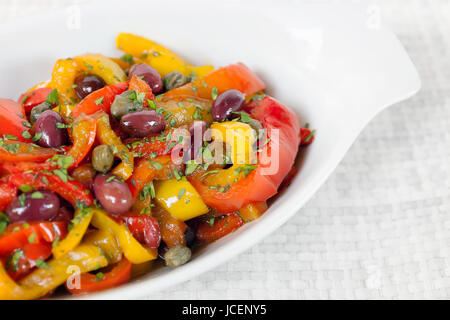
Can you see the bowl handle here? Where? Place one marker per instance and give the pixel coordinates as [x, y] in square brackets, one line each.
[393, 76]
[352, 58]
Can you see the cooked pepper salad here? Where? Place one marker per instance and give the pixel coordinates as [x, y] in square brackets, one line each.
[106, 166]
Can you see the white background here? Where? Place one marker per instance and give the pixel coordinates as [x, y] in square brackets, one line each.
[380, 226]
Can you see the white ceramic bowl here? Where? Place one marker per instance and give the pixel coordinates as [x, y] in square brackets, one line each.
[335, 66]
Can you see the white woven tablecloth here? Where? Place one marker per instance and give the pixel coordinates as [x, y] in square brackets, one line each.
[380, 226]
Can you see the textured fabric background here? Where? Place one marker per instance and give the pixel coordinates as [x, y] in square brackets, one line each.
[380, 226]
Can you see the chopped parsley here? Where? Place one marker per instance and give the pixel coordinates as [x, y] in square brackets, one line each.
[26, 134]
[37, 136]
[191, 165]
[245, 169]
[4, 220]
[156, 165]
[258, 97]
[60, 125]
[32, 238]
[309, 136]
[26, 124]
[64, 162]
[99, 100]
[62, 174]
[149, 189]
[37, 195]
[181, 193]
[53, 97]
[13, 262]
[99, 276]
[25, 99]
[25, 188]
[10, 137]
[214, 93]
[40, 263]
[22, 199]
[243, 116]
[136, 97]
[128, 58]
[209, 172]
[198, 113]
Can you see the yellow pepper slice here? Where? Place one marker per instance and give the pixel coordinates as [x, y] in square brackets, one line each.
[65, 110]
[125, 64]
[43, 84]
[102, 66]
[142, 205]
[63, 76]
[253, 211]
[107, 242]
[184, 110]
[157, 56]
[132, 249]
[80, 223]
[10, 290]
[106, 135]
[180, 199]
[86, 257]
[66, 71]
[240, 139]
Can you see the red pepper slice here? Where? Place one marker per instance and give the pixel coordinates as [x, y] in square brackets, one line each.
[306, 137]
[17, 235]
[31, 99]
[167, 142]
[221, 227]
[147, 170]
[15, 151]
[84, 131]
[234, 76]
[146, 148]
[258, 186]
[71, 190]
[172, 230]
[144, 228]
[12, 120]
[141, 86]
[13, 107]
[89, 282]
[31, 252]
[7, 194]
[99, 100]
[19, 167]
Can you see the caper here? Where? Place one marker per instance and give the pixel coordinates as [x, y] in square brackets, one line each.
[174, 80]
[102, 158]
[38, 110]
[177, 256]
[123, 105]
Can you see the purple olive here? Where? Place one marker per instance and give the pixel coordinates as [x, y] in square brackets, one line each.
[149, 75]
[64, 215]
[86, 84]
[46, 125]
[226, 103]
[34, 206]
[162, 249]
[190, 234]
[113, 194]
[142, 123]
[197, 129]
